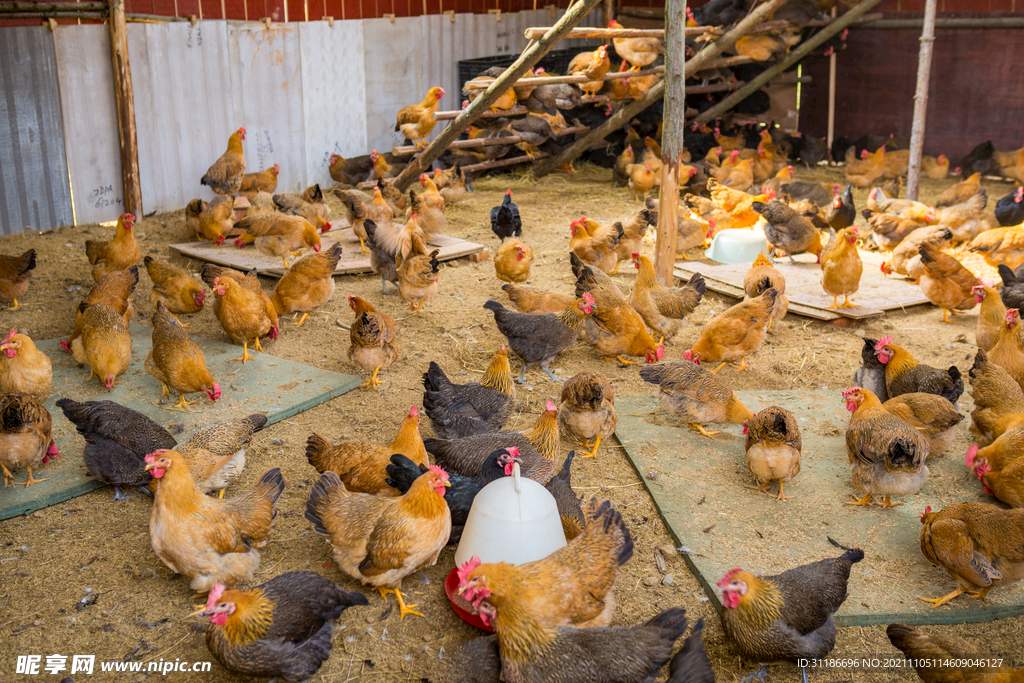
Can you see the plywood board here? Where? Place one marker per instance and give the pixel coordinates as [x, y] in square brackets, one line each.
[266, 76]
[736, 291]
[698, 487]
[186, 106]
[34, 191]
[877, 293]
[332, 92]
[90, 120]
[352, 259]
[275, 386]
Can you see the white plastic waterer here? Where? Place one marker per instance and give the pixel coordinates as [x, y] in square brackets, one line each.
[514, 520]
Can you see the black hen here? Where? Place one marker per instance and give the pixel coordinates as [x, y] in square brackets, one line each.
[537, 339]
[282, 628]
[117, 440]
[843, 212]
[1010, 209]
[505, 221]
[402, 472]
[569, 510]
[720, 12]
[871, 374]
[979, 160]
[457, 410]
[1012, 291]
[691, 664]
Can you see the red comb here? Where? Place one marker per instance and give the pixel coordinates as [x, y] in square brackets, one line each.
[439, 471]
[215, 596]
[466, 569]
[728, 577]
[10, 335]
[882, 343]
[155, 454]
[550, 406]
[513, 451]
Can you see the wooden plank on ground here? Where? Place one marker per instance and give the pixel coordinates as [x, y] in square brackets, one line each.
[877, 293]
[353, 260]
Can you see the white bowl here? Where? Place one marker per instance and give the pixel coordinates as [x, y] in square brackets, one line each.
[514, 520]
[738, 246]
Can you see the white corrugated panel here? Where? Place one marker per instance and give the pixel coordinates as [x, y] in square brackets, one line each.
[90, 121]
[184, 107]
[267, 75]
[333, 93]
[393, 76]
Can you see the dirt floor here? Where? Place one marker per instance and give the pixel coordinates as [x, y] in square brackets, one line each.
[52, 561]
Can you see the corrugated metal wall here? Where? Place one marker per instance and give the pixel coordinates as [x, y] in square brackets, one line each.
[34, 192]
[301, 90]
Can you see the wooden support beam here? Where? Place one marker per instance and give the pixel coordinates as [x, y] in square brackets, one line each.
[609, 33]
[498, 163]
[52, 7]
[484, 142]
[695, 64]
[795, 56]
[924, 73]
[530, 56]
[125, 102]
[551, 80]
[672, 145]
[451, 115]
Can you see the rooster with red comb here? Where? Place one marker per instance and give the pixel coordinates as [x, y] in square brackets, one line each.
[281, 628]
[787, 616]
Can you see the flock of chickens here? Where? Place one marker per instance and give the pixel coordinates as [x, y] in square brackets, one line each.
[389, 511]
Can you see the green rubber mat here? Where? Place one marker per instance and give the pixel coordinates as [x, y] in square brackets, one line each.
[698, 486]
[280, 388]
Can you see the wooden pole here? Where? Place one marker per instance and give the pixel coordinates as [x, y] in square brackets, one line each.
[485, 142]
[551, 80]
[530, 56]
[924, 72]
[672, 143]
[795, 56]
[609, 33]
[619, 118]
[830, 132]
[125, 100]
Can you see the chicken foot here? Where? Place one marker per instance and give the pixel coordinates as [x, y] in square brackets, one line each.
[403, 609]
[938, 602]
[864, 502]
[120, 496]
[763, 488]
[15, 307]
[362, 245]
[302, 319]
[886, 503]
[245, 353]
[699, 428]
[759, 675]
[620, 359]
[31, 479]
[741, 366]
[182, 403]
[8, 477]
[590, 452]
[372, 383]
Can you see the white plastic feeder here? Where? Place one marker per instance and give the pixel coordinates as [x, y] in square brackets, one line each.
[514, 520]
[738, 245]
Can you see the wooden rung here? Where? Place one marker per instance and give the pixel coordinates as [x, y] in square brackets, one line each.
[724, 62]
[534, 33]
[551, 80]
[498, 163]
[484, 142]
[596, 99]
[449, 115]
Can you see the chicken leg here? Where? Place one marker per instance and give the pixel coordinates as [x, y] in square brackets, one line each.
[285, 259]
[847, 303]
[245, 354]
[620, 359]
[15, 307]
[182, 403]
[886, 503]
[8, 477]
[403, 609]
[864, 502]
[938, 602]
[302, 319]
[945, 316]
[256, 345]
[31, 479]
[362, 245]
[545, 368]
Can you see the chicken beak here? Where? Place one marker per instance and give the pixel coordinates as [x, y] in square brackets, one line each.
[200, 612]
[447, 484]
[149, 466]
